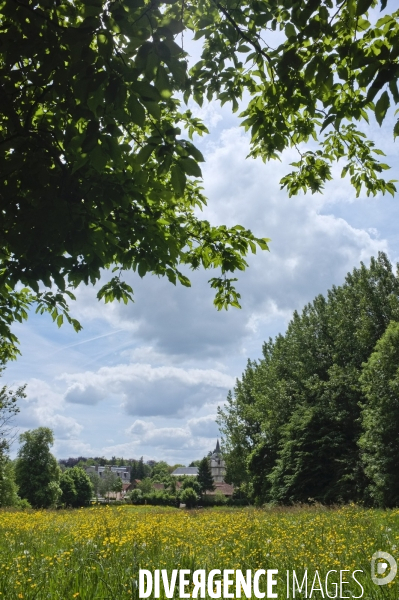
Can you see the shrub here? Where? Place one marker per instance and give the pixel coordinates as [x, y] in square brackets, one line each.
[189, 497]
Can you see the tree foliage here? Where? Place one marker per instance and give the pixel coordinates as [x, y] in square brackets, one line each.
[204, 477]
[8, 487]
[68, 489]
[189, 497]
[94, 169]
[8, 411]
[146, 485]
[109, 482]
[77, 488]
[191, 481]
[98, 165]
[139, 470]
[37, 472]
[95, 480]
[294, 426]
[380, 415]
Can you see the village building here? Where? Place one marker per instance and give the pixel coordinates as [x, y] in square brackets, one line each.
[218, 470]
[188, 471]
[122, 472]
[218, 466]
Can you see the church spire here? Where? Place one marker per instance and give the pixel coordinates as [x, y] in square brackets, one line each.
[217, 449]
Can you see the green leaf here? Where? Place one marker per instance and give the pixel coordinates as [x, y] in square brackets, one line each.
[98, 158]
[136, 111]
[396, 129]
[393, 87]
[178, 180]
[190, 167]
[144, 154]
[381, 107]
[290, 30]
[362, 6]
[243, 48]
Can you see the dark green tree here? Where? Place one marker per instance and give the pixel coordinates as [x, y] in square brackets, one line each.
[160, 471]
[36, 471]
[204, 477]
[140, 470]
[83, 486]
[380, 419]
[133, 471]
[95, 171]
[146, 486]
[67, 485]
[191, 482]
[293, 425]
[173, 485]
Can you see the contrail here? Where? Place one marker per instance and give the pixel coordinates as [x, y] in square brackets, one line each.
[86, 341]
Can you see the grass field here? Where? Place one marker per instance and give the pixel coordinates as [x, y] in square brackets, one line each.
[96, 553]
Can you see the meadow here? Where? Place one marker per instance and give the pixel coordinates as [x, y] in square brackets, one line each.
[95, 553]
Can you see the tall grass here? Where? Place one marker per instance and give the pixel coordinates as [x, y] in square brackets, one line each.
[95, 553]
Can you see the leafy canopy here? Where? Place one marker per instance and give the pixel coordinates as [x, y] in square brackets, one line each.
[318, 416]
[380, 418]
[36, 469]
[77, 488]
[97, 161]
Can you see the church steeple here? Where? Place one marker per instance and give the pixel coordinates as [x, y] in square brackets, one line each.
[217, 449]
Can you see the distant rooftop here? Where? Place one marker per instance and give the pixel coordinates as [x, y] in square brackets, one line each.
[186, 471]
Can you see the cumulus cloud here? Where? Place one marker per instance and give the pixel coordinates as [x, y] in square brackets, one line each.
[172, 357]
[43, 407]
[147, 390]
[204, 426]
[79, 394]
[164, 437]
[183, 443]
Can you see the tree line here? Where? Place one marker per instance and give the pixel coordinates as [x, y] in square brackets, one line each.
[35, 479]
[138, 468]
[317, 417]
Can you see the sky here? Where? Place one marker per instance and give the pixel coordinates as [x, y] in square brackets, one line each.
[146, 379]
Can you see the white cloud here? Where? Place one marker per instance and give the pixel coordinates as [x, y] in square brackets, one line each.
[77, 393]
[43, 407]
[146, 390]
[170, 357]
[183, 444]
[204, 426]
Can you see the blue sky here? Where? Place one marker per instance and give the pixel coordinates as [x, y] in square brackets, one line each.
[146, 379]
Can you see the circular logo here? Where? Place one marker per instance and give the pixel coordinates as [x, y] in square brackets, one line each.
[382, 567]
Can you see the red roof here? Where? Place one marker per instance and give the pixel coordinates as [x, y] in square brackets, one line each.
[221, 487]
[159, 486]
